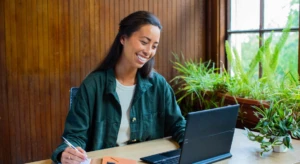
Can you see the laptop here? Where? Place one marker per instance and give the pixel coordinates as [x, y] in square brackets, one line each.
[207, 139]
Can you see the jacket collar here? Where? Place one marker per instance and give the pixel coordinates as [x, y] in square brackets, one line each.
[110, 81]
[142, 84]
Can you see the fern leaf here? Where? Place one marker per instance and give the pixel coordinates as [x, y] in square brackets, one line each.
[279, 45]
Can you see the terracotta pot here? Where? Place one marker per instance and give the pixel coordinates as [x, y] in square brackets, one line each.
[246, 112]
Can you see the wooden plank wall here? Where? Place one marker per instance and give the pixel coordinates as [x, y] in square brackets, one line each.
[48, 46]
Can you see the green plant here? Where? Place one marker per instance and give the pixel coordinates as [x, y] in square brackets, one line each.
[274, 122]
[196, 80]
[246, 82]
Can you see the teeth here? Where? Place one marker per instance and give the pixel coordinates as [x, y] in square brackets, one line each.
[141, 58]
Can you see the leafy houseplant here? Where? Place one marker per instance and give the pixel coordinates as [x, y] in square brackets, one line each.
[246, 84]
[275, 126]
[196, 82]
[202, 85]
[270, 86]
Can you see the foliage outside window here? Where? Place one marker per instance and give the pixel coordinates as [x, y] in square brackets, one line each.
[250, 22]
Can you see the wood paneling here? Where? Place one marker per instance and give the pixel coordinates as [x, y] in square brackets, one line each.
[215, 36]
[48, 46]
[4, 115]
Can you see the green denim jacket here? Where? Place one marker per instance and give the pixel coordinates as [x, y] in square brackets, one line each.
[93, 121]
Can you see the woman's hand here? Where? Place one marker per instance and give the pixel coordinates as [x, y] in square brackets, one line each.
[72, 156]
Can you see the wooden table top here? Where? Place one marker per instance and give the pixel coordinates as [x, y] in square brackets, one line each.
[243, 151]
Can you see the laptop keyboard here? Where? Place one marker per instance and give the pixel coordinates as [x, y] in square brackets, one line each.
[170, 161]
[171, 157]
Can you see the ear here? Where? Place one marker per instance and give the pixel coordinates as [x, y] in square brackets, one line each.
[122, 39]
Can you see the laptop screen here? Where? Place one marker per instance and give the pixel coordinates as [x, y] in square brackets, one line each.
[208, 136]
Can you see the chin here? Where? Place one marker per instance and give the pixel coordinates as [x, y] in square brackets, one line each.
[140, 66]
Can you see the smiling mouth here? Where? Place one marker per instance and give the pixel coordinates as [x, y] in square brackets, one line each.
[141, 59]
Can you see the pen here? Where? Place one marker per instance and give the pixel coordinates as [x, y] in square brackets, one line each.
[69, 144]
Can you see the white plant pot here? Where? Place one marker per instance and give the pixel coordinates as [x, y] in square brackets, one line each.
[282, 147]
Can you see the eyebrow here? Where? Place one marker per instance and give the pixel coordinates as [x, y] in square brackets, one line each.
[149, 39]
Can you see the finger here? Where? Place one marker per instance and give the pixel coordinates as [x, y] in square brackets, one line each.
[68, 158]
[65, 157]
[72, 156]
[76, 155]
[82, 151]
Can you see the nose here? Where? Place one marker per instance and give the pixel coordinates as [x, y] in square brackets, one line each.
[147, 52]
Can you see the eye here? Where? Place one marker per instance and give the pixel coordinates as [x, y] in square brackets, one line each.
[143, 42]
[154, 46]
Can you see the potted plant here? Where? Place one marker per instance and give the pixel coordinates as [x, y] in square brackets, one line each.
[248, 90]
[196, 84]
[275, 127]
[201, 85]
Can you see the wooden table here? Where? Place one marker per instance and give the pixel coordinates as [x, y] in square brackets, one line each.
[243, 151]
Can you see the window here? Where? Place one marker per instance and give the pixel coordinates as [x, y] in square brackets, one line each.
[251, 22]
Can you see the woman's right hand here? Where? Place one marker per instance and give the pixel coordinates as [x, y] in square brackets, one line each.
[72, 156]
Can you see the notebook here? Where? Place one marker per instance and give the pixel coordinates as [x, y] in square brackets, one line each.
[112, 160]
[207, 139]
[117, 160]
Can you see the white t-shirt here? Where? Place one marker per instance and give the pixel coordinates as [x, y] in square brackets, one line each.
[125, 94]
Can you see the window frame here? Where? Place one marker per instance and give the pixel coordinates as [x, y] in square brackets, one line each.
[260, 31]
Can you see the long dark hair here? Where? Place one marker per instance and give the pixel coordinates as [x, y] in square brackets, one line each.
[127, 26]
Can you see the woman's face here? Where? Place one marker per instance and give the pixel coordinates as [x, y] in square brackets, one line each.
[141, 46]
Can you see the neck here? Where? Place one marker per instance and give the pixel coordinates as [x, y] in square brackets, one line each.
[125, 75]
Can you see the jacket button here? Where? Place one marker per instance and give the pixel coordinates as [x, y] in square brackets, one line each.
[133, 119]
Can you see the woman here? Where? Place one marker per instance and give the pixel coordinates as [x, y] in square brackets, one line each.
[123, 101]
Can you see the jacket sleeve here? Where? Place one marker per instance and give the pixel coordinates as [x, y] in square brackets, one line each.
[77, 122]
[174, 121]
